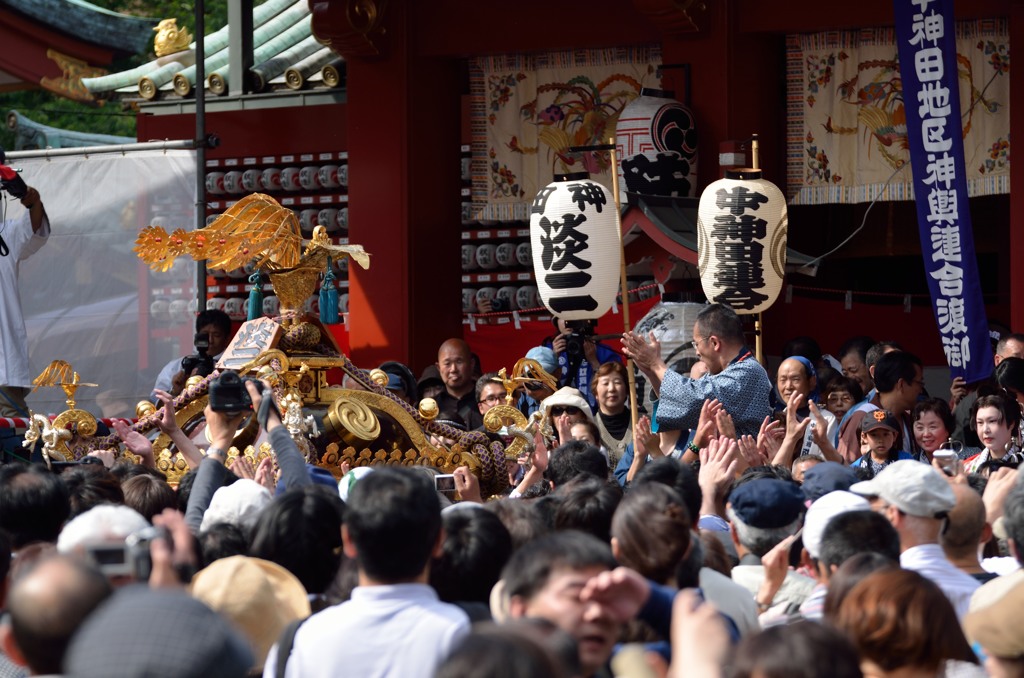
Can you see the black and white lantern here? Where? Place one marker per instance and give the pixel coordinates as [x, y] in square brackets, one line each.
[741, 241]
[656, 141]
[575, 242]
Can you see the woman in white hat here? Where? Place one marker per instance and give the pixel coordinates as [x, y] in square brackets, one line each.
[566, 407]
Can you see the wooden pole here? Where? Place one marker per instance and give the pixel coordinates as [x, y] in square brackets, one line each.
[758, 330]
[623, 285]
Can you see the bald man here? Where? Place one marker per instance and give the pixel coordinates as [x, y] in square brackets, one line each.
[967, 531]
[455, 363]
[796, 375]
[47, 605]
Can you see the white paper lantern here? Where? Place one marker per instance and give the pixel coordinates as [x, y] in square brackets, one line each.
[575, 242]
[656, 141]
[741, 241]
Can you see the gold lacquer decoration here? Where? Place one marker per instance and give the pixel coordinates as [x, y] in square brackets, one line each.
[144, 408]
[69, 84]
[172, 466]
[516, 425]
[442, 459]
[67, 424]
[55, 440]
[352, 416]
[379, 377]
[428, 409]
[169, 38]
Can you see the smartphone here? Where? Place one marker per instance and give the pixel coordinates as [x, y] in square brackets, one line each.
[948, 460]
[445, 484]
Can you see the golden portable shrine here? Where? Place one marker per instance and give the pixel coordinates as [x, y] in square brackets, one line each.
[357, 422]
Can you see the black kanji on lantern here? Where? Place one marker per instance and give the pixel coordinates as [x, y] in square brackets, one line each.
[743, 227]
[588, 193]
[739, 200]
[738, 250]
[540, 202]
[562, 241]
[666, 175]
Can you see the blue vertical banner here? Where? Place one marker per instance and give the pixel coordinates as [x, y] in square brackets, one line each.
[926, 37]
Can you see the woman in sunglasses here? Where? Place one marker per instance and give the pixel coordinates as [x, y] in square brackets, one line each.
[566, 407]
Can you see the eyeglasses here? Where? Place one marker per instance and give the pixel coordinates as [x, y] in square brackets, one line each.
[558, 410]
[494, 397]
[696, 343]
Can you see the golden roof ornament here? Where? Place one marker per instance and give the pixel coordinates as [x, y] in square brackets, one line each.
[169, 38]
[256, 228]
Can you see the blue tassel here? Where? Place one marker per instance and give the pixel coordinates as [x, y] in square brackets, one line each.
[329, 298]
[256, 296]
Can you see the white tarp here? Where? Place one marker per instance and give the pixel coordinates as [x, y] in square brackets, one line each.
[86, 296]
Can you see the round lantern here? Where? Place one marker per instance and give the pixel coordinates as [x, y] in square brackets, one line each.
[656, 141]
[741, 241]
[575, 242]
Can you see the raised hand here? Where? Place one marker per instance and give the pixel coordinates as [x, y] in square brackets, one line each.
[467, 485]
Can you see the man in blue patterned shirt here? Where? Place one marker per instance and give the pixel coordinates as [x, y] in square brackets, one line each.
[735, 378]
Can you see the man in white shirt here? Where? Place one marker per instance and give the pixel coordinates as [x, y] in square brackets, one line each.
[19, 239]
[394, 625]
[916, 499]
[762, 513]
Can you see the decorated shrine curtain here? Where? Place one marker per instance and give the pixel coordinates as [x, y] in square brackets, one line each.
[527, 110]
[847, 126]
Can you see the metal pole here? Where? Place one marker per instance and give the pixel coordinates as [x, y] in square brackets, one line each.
[200, 90]
[96, 150]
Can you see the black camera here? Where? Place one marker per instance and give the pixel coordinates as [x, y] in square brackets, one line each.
[228, 393]
[9, 179]
[11, 182]
[130, 558]
[202, 362]
[575, 343]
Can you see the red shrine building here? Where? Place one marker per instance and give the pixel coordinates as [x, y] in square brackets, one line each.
[398, 92]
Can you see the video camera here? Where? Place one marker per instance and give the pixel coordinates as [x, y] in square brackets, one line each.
[201, 361]
[228, 393]
[575, 343]
[9, 179]
[130, 558]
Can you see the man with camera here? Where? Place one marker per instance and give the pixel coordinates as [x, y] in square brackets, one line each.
[579, 354]
[19, 239]
[213, 334]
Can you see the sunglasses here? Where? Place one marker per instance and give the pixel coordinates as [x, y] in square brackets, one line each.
[533, 385]
[558, 410]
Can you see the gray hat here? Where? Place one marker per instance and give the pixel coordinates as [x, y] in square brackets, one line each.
[913, 487]
[822, 511]
[156, 633]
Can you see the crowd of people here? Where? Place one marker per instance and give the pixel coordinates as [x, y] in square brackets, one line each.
[834, 520]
